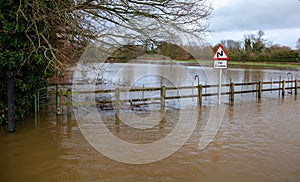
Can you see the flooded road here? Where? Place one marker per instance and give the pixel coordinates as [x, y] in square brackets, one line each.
[259, 140]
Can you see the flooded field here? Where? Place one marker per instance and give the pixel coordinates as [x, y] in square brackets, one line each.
[257, 141]
[151, 75]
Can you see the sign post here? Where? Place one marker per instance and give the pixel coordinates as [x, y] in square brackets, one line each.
[220, 59]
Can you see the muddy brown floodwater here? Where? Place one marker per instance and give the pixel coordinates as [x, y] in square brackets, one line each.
[258, 141]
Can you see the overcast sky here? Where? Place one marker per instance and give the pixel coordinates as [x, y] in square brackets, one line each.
[279, 19]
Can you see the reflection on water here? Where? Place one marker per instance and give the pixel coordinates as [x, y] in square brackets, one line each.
[258, 141]
[151, 75]
[175, 75]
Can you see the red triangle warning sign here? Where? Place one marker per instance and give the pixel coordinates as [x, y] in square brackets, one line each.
[220, 53]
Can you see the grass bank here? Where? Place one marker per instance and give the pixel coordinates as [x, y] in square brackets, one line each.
[295, 65]
[267, 64]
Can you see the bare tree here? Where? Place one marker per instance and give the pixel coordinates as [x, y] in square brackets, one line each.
[298, 45]
[255, 43]
[70, 25]
[38, 37]
[232, 44]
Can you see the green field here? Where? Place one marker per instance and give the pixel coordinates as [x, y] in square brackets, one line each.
[255, 64]
[267, 64]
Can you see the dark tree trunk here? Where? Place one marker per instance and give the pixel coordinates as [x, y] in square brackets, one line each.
[11, 102]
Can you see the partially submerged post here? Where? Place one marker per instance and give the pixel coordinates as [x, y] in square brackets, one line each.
[296, 87]
[260, 85]
[220, 87]
[38, 100]
[69, 102]
[199, 95]
[231, 92]
[35, 102]
[117, 105]
[279, 85]
[162, 102]
[61, 99]
[57, 100]
[283, 88]
[11, 102]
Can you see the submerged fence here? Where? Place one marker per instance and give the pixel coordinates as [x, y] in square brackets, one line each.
[159, 95]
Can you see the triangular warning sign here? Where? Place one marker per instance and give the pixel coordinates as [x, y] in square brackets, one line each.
[220, 53]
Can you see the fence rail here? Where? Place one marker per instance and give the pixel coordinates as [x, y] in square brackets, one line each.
[64, 96]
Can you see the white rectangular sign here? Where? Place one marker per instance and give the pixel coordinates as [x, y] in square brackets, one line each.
[220, 64]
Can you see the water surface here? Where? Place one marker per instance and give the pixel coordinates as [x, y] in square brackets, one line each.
[258, 141]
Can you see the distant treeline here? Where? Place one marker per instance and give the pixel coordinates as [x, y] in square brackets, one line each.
[268, 54]
[130, 52]
[250, 52]
[255, 48]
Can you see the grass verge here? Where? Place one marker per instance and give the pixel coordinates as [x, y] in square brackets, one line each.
[295, 65]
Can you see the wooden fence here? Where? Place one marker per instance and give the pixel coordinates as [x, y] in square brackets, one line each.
[64, 97]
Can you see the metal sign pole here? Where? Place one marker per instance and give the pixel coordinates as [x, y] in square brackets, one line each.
[220, 85]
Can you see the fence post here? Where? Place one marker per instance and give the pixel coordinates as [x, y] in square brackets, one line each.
[242, 88]
[11, 102]
[56, 99]
[199, 95]
[163, 98]
[279, 85]
[231, 92]
[117, 105]
[296, 87]
[193, 89]
[143, 93]
[38, 100]
[58, 102]
[259, 89]
[205, 89]
[69, 101]
[271, 85]
[61, 100]
[35, 103]
[283, 88]
[162, 104]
